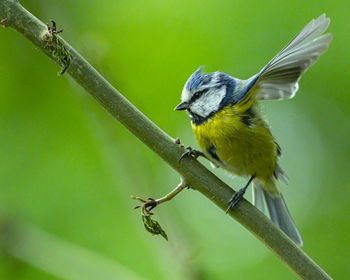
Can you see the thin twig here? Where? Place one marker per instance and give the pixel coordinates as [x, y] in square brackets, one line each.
[195, 174]
[151, 203]
[172, 194]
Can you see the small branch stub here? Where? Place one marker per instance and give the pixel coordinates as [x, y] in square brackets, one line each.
[151, 225]
[56, 46]
[151, 203]
[3, 22]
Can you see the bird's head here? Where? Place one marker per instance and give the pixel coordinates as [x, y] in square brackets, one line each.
[205, 94]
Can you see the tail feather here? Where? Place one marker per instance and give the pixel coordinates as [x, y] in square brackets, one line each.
[278, 211]
[258, 197]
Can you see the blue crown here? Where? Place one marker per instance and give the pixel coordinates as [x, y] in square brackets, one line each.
[195, 79]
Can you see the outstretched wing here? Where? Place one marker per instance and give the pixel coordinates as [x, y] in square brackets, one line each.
[279, 78]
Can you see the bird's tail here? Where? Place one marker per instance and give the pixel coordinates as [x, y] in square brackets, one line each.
[278, 211]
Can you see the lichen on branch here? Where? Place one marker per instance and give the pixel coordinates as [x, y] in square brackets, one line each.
[56, 46]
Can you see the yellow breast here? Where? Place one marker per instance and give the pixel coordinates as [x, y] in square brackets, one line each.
[245, 149]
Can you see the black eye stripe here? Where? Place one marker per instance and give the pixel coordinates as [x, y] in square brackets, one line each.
[198, 94]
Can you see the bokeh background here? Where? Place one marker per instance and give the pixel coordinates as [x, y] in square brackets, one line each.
[67, 168]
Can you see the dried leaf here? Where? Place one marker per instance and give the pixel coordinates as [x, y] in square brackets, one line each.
[152, 226]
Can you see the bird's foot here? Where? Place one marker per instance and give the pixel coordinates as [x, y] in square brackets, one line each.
[191, 153]
[235, 198]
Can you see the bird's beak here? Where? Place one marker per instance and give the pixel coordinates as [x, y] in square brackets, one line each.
[182, 106]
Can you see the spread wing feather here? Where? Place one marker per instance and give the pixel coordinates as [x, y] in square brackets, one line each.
[279, 78]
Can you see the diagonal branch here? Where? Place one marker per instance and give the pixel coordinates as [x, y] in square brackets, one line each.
[12, 14]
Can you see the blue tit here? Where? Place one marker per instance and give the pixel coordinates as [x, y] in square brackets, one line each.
[232, 134]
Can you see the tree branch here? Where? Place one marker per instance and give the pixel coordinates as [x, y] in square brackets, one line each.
[12, 14]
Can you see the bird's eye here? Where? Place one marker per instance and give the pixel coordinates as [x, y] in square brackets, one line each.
[198, 94]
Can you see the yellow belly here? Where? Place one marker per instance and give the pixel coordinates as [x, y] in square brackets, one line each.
[242, 149]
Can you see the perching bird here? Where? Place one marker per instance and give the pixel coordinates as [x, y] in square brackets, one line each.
[230, 131]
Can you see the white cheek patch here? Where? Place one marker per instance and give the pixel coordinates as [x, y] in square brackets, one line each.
[185, 95]
[209, 102]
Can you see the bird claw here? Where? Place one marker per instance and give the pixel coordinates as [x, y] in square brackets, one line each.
[237, 196]
[235, 199]
[191, 153]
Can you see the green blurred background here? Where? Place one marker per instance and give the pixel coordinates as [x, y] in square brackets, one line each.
[67, 168]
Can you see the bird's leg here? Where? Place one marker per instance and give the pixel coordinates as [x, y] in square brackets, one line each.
[237, 196]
